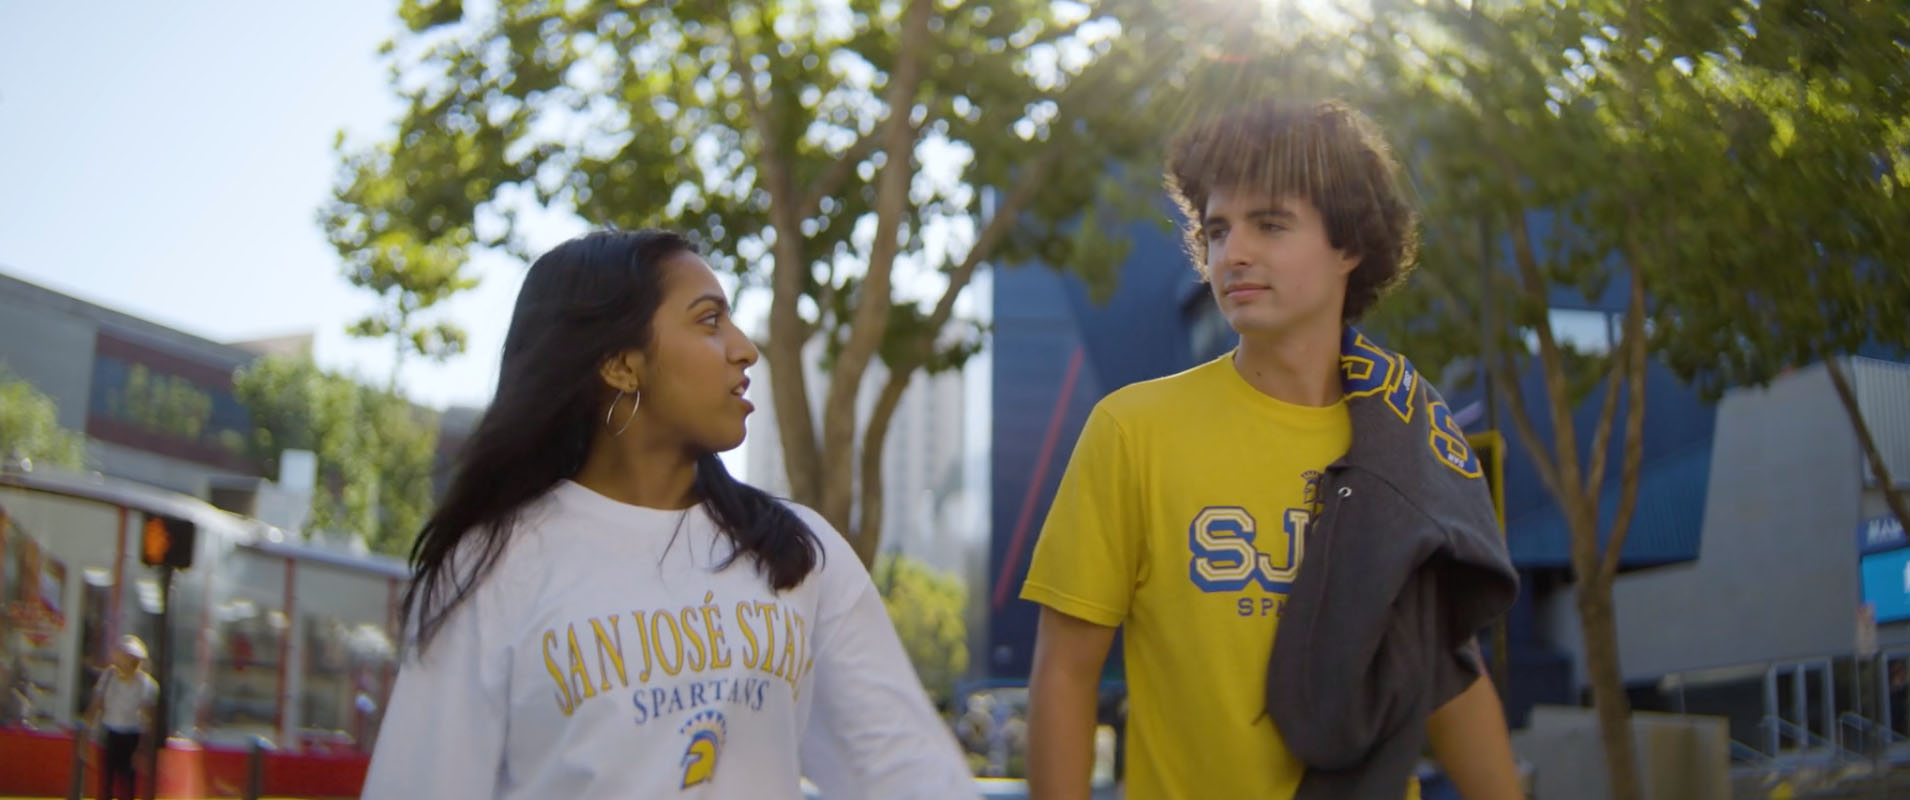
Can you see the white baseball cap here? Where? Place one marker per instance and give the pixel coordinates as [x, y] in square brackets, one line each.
[132, 646]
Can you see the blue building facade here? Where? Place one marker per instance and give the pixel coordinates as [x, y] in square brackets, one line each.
[1056, 352]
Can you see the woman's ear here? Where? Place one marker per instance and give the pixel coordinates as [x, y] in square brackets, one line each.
[622, 372]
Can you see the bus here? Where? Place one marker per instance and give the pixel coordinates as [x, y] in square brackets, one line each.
[270, 643]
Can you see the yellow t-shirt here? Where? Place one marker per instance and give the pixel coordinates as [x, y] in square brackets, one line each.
[1181, 517]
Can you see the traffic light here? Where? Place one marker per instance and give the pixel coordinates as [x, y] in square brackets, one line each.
[167, 541]
[1489, 446]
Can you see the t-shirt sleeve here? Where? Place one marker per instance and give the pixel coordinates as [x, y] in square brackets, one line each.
[872, 732]
[1089, 555]
[444, 726]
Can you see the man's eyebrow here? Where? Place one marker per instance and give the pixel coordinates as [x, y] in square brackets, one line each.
[1274, 213]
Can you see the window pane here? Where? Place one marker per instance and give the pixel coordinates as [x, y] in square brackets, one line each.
[248, 638]
[348, 655]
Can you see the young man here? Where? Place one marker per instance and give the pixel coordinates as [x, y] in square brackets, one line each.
[1186, 513]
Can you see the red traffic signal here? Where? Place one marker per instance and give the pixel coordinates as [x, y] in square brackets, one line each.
[167, 541]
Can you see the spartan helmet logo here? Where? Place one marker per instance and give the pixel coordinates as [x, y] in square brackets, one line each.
[1310, 495]
[706, 731]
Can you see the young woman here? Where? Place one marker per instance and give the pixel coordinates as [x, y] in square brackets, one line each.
[123, 705]
[599, 610]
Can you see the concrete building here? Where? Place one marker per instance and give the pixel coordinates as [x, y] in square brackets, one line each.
[155, 403]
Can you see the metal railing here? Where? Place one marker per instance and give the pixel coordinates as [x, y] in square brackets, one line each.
[1802, 734]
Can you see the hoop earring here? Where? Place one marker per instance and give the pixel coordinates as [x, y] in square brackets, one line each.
[636, 399]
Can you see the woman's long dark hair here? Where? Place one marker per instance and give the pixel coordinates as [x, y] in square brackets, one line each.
[582, 303]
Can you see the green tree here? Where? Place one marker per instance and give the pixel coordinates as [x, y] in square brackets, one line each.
[1816, 110]
[928, 608]
[1650, 136]
[30, 426]
[410, 265]
[1511, 112]
[375, 450]
[856, 160]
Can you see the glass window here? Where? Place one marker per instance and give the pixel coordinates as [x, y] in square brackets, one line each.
[347, 656]
[32, 588]
[56, 555]
[1584, 330]
[246, 644]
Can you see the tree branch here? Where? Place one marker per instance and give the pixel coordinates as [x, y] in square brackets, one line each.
[876, 431]
[1634, 334]
[992, 234]
[1564, 434]
[838, 172]
[1522, 423]
[802, 459]
[1878, 467]
[869, 534]
[1508, 383]
[1602, 435]
[869, 321]
[1634, 424]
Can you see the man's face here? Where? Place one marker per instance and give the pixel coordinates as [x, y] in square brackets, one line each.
[1270, 265]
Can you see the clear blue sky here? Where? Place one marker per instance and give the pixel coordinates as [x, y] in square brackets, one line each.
[168, 159]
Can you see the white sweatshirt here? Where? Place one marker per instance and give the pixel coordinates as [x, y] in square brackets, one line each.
[605, 656]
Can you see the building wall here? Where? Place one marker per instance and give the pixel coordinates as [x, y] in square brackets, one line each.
[1881, 388]
[1058, 349]
[49, 345]
[99, 365]
[1776, 577]
[146, 467]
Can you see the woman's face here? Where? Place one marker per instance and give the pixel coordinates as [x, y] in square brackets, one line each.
[693, 372]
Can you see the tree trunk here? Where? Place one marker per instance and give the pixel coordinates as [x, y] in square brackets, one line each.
[868, 537]
[789, 268]
[1571, 485]
[1878, 467]
[787, 384]
[870, 318]
[1596, 615]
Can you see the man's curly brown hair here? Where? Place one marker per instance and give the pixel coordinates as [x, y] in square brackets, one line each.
[1326, 152]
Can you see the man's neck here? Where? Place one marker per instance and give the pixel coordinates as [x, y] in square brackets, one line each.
[1301, 366]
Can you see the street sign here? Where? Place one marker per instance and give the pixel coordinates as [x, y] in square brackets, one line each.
[1886, 583]
[1878, 534]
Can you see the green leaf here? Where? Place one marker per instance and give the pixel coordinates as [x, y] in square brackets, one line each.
[30, 427]
[375, 450]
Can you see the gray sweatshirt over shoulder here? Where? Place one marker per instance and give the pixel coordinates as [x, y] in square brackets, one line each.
[1405, 564]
